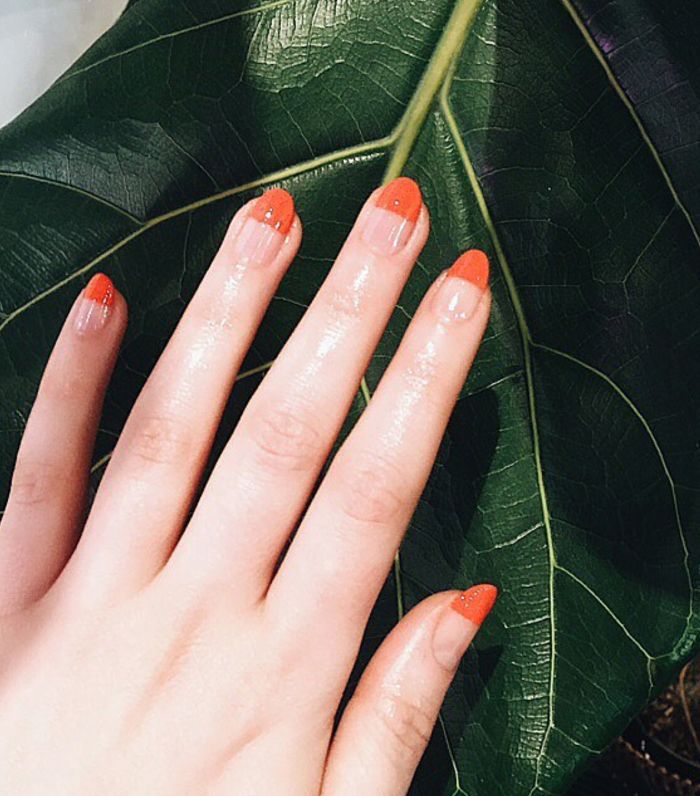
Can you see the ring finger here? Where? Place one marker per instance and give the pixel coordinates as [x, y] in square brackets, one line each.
[355, 523]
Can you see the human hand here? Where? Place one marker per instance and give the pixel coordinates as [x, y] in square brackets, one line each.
[165, 652]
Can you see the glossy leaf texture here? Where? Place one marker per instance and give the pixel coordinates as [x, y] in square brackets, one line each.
[562, 136]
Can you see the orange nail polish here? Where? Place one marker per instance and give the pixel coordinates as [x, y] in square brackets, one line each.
[100, 289]
[94, 307]
[275, 208]
[476, 603]
[403, 197]
[472, 266]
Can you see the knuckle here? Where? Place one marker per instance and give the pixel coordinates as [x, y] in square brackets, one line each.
[344, 304]
[408, 726]
[286, 439]
[209, 313]
[371, 490]
[161, 440]
[33, 482]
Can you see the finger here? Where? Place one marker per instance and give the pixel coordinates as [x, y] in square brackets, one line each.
[264, 477]
[47, 498]
[387, 724]
[151, 480]
[346, 543]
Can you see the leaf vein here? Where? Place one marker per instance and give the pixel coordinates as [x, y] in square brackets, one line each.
[636, 118]
[369, 148]
[659, 452]
[607, 609]
[20, 175]
[174, 34]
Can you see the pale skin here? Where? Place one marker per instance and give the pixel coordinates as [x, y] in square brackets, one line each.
[151, 649]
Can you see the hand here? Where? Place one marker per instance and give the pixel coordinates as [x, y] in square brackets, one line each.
[165, 652]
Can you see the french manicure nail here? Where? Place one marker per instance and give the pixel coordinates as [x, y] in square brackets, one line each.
[389, 224]
[453, 634]
[462, 288]
[95, 305]
[475, 604]
[263, 233]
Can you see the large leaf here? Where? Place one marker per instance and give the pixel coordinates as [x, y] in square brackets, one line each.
[562, 137]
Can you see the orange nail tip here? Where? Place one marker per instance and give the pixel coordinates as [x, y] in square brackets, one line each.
[402, 196]
[475, 604]
[276, 208]
[100, 289]
[472, 266]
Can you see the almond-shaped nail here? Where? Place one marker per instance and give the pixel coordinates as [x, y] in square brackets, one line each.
[389, 223]
[94, 305]
[262, 235]
[463, 287]
[460, 622]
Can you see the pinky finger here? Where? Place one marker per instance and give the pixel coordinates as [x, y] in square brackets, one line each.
[47, 497]
[388, 722]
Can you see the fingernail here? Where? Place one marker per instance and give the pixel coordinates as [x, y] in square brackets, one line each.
[389, 224]
[453, 634]
[263, 233]
[95, 305]
[461, 291]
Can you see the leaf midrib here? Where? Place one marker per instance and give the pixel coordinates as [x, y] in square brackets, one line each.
[526, 338]
[528, 344]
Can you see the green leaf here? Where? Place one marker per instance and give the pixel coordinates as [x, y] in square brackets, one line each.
[562, 136]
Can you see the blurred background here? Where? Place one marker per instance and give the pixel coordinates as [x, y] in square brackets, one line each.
[40, 39]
